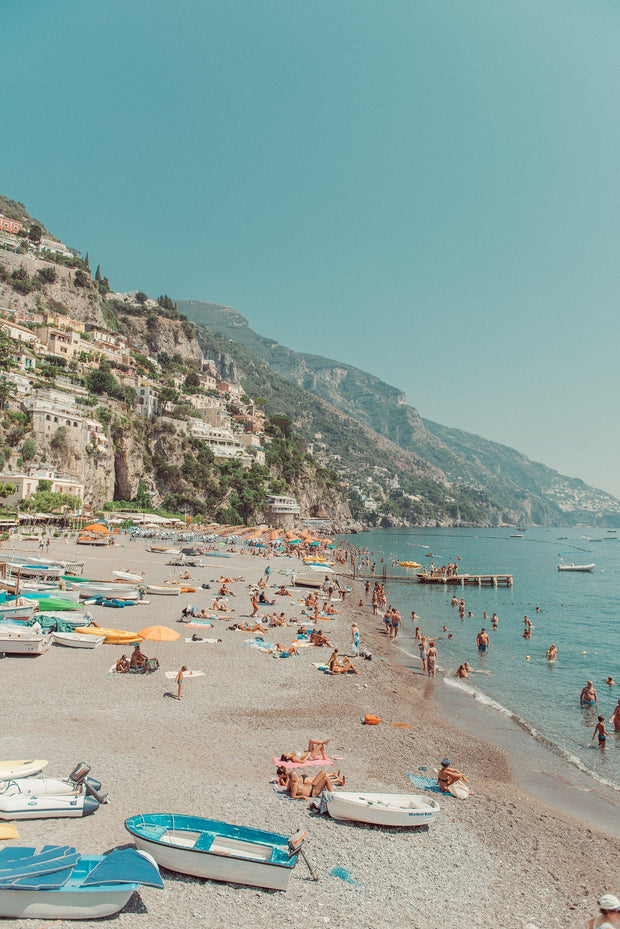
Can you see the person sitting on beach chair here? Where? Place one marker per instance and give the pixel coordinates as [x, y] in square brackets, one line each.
[122, 665]
[341, 666]
[316, 749]
[448, 776]
[138, 660]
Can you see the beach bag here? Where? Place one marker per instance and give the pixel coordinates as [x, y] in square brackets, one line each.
[459, 789]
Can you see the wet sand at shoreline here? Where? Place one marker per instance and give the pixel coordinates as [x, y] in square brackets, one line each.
[498, 858]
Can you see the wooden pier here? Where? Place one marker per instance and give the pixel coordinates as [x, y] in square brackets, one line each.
[468, 580]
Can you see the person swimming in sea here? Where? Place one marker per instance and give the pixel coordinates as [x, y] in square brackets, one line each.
[552, 653]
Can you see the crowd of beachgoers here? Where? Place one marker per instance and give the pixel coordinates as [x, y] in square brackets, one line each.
[498, 857]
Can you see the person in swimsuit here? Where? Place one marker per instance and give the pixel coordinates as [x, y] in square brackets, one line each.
[608, 915]
[316, 749]
[422, 648]
[138, 660]
[601, 731]
[552, 653]
[179, 681]
[588, 695]
[615, 718]
[431, 658]
[482, 641]
[122, 665]
[301, 788]
[611, 682]
[448, 776]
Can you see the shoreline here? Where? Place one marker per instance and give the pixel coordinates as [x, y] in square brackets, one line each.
[512, 860]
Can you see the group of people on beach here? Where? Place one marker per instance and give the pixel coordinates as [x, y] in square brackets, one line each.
[588, 698]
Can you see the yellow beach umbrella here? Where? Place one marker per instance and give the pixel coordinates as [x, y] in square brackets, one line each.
[159, 634]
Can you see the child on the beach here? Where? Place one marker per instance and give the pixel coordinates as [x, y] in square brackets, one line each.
[179, 681]
[601, 731]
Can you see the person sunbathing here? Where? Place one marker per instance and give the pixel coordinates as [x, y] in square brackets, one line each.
[317, 638]
[316, 748]
[138, 660]
[283, 592]
[263, 599]
[220, 605]
[341, 666]
[185, 576]
[203, 614]
[278, 620]
[122, 665]
[286, 652]
[248, 627]
[328, 610]
[300, 788]
[224, 591]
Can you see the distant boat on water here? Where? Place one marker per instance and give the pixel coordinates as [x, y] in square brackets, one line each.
[583, 568]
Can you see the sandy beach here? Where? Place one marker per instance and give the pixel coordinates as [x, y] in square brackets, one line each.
[497, 858]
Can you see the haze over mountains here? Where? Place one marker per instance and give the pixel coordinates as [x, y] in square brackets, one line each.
[488, 473]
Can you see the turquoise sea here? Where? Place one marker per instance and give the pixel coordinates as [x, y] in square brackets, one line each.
[580, 613]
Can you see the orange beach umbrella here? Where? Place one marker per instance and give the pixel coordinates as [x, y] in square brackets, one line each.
[159, 634]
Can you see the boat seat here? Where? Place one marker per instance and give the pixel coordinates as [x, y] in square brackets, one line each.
[204, 843]
[153, 832]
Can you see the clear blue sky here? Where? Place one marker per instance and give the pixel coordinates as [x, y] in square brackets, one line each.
[428, 190]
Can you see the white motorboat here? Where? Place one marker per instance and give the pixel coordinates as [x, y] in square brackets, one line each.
[75, 640]
[163, 550]
[407, 810]
[72, 805]
[579, 568]
[18, 641]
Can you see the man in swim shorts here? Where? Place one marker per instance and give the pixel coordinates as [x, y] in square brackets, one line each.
[482, 641]
[600, 730]
[588, 695]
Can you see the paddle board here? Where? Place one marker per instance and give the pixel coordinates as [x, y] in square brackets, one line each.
[172, 674]
[9, 770]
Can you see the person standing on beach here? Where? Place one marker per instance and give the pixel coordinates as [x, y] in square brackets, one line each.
[179, 681]
[355, 639]
[588, 695]
[422, 648]
[254, 603]
[615, 718]
[431, 658]
[601, 731]
[482, 641]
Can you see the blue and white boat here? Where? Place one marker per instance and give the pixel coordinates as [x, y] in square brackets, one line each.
[215, 850]
[58, 883]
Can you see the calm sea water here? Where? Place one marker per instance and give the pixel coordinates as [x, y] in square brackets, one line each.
[580, 613]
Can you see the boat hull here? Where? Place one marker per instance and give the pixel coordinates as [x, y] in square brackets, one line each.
[15, 769]
[577, 568]
[244, 856]
[404, 810]
[20, 807]
[23, 643]
[73, 640]
[64, 903]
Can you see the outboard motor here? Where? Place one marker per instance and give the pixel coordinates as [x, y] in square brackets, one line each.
[79, 777]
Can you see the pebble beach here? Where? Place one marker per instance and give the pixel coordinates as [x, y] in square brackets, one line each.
[499, 858]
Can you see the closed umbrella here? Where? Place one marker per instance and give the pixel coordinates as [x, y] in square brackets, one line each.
[159, 634]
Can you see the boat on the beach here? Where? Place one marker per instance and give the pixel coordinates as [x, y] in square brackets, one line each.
[19, 608]
[111, 636]
[308, 582]
[114, 591]
[58, 883]
[56, 806]
[23, 767]
[127, 576]
[73, 640]
[40, 570]
[161, 590]
[163, 550]
[407, 810]
[216, 850]
[575, 567]
[15, 640]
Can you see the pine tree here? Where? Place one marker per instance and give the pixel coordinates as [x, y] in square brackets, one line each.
[98, 273]
[86, 261]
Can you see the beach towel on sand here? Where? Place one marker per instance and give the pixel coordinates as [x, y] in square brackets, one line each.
[203, 641]
[426, 783]
[302, 764]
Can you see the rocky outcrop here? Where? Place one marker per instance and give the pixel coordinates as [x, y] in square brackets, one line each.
[62, 295]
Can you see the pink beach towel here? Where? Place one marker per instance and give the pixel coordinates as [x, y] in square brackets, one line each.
[302, 764]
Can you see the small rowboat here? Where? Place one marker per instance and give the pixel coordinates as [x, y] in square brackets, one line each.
[73, 640]
[128, 576]
[580, 568]
[216, 850]
[58, 883]
[380, 809]
[161, 590]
